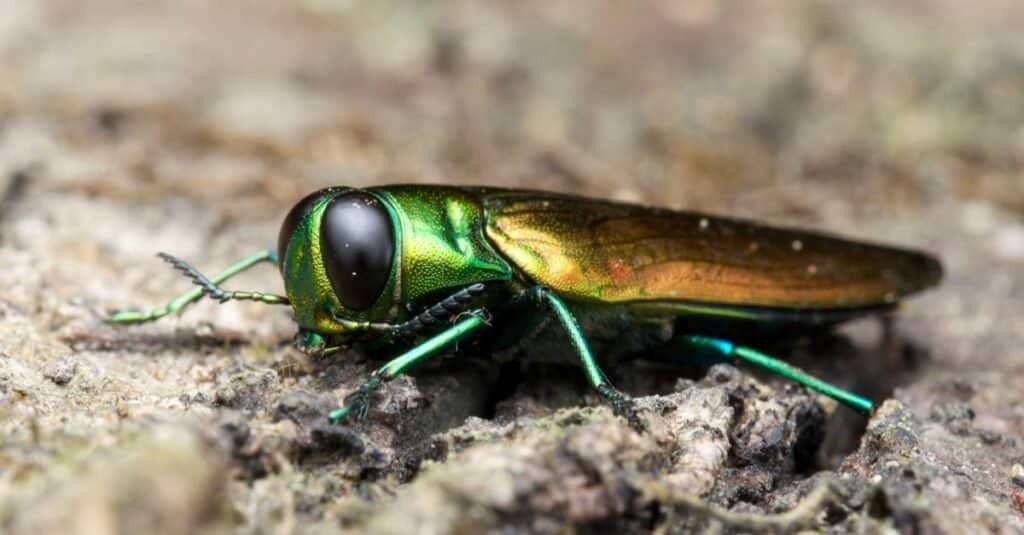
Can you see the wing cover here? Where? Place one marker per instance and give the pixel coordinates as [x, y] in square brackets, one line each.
[610, 252]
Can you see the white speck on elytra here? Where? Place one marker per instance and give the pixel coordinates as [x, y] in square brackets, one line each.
[704, 223]
[798, 245]
[354, 274]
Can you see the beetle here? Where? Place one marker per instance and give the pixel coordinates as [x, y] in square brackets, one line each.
[425, 266]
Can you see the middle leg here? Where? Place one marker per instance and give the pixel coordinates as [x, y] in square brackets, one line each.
[621, 403]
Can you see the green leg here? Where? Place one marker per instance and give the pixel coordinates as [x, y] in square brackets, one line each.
[621, 403]
[357, 402]
[203, 286]
[727, 349]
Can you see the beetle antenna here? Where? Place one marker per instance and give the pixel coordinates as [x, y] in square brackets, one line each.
[209, 288]
[451, 306]
[205, 287]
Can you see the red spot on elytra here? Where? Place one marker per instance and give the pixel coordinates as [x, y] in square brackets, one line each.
[619, 271]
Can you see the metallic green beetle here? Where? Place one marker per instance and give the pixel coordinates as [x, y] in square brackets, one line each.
[429, 265]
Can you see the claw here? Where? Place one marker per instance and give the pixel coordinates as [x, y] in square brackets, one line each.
[623, 406]
[357, 404]
[310, 343]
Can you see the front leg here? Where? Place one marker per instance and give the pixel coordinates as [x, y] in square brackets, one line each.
[357, 403]
[621, 403]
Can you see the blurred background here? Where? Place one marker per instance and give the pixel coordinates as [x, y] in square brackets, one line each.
[729, 105]
[191, 127]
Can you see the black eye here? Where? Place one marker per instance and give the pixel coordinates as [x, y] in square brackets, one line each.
[358, 245]
[294, 217]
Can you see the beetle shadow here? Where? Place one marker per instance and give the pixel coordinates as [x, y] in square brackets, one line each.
[203, 337]
[868, 356]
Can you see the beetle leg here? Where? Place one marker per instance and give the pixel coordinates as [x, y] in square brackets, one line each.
[621, 403]
[204, 286]
[357, 403]
[727, 349]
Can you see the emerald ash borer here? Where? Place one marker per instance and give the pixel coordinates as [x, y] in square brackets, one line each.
[419, 267]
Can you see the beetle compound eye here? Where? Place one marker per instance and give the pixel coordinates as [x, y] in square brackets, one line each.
[358, 245]
[295, 216]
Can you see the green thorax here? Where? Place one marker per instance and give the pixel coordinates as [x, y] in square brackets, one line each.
[440, 244]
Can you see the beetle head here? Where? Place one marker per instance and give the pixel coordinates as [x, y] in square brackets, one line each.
[338, 250]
